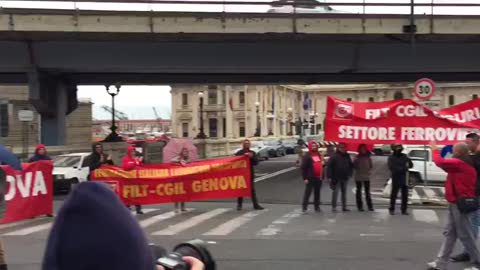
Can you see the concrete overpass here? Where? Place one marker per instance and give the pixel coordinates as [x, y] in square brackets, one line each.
[55, 50]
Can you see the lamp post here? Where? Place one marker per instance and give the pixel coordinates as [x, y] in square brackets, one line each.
[257, 130]
[113, 91]
[290, 123]
[201, 135]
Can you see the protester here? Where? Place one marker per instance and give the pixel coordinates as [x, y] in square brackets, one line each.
[253, 162]
[7, 157]
[461, 182]
[363, 166]
[339, 170]
[95, 231]
[473, 143]
[183, 158]
[97, 158]
[130, 162]
[398, 164]
[312, 167]
[40, 154]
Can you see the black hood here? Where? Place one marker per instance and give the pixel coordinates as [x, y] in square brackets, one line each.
[95, 231]
[94, 145]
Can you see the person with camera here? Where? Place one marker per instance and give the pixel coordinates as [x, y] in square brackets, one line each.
[312, 167]
[253, 162]
[95, 231]
[130, 162]
[463, 202]
[398, 164]
[97, 158]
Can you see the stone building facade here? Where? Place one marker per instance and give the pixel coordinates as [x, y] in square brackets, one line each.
[78, 123]
[236, 111]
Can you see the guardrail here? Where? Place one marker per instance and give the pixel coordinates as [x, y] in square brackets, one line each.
[418, 7]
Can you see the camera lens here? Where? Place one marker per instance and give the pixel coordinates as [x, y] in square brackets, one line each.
[197, 249]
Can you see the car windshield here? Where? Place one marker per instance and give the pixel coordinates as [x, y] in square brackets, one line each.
[66, 161]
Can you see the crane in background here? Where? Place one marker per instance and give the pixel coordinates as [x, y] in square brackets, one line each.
[159, 119]
[118, 114]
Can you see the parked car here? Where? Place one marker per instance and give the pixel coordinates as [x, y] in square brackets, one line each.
[420, 157]
[69, 170]
[277, 148]
[290, 146]
[382, 149]
[260, 149]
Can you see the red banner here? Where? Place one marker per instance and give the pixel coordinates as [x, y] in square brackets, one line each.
[164, 183]
[399, 121]
[29, 192]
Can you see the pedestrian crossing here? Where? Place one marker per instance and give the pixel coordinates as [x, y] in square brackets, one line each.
[277, 221]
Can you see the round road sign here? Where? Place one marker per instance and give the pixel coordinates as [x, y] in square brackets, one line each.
[424, 88]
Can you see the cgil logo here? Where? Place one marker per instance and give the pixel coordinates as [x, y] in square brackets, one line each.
[344, 111]
[27, 187]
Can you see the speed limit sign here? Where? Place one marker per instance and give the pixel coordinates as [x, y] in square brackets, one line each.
[424, 88]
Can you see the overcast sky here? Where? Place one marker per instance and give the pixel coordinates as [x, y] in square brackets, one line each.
[137, 101]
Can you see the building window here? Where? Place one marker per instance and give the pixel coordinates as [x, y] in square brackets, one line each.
[241, 129]
[349, 99]
[212, 124]
[451, 100]
[185, 99]
[212, 97]
[224, 97]
[474, 96]
[398, 95]
[241, 98]
[224, 129]
[185, 130]
[4, 123]
[371, 99]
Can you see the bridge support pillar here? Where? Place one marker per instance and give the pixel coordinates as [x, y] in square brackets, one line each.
[54, 98]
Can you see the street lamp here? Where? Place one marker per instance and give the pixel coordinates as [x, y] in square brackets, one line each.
[201, 135]
[290, 119]
[257, 131]
[113, 136]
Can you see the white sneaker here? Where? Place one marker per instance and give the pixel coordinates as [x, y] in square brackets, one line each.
[433, 266]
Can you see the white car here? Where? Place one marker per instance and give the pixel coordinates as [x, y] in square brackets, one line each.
[418, 154]
[68, 170]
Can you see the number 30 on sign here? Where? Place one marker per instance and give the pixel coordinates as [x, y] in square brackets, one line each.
[424, 88]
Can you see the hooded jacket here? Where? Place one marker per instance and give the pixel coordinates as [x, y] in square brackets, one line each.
[95, 231]
[398, 164]
[129, 162]
[340, 166]
[93, 160]
[311, 165]
[459, 173]
[37, 156]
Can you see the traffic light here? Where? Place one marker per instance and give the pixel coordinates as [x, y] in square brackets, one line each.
[4, 119]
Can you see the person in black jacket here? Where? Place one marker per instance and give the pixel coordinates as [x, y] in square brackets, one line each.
[253, 162]
[97, 158]
[339, 170]
[398, 164]
[312, 165]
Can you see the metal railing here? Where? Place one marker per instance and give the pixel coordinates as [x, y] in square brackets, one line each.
[419, 7]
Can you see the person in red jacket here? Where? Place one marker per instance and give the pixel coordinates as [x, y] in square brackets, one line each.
[462, 176]
[312, 169]
[130, 162]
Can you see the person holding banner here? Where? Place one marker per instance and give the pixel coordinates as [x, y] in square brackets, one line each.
[253, 162]
[97, 158]
[339, 170]
[130, 162]
[183, 158]
[312, 167]
[398, 164]
[459, 191]
[363, 166]
[3, 191]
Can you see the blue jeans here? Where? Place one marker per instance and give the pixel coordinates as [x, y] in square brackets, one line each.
[475, 219]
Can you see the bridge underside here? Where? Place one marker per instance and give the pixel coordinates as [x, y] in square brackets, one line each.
[93, 58]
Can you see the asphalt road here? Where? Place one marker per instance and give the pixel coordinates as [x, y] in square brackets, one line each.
[280, 237]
